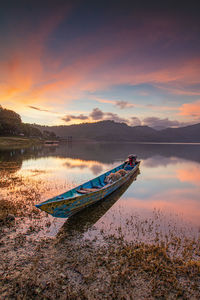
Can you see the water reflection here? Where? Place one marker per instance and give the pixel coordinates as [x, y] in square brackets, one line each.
[169, 180]
[191, 173]
[94, 166]
[107, 153]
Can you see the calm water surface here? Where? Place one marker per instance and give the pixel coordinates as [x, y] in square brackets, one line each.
[165, 196]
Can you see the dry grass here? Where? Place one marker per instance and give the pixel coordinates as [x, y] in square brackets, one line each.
[70, 269]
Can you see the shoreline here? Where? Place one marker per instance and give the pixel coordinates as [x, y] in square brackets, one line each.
[11, 142]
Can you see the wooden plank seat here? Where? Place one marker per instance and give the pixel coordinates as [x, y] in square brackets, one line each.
[92, 189]
[88, 190]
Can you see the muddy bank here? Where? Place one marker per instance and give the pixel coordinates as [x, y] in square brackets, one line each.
[69, 267]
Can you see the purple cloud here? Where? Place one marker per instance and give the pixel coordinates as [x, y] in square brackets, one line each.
[68, 118]
[123, 104]
[159, 124]
[37, 108]
[97, 114]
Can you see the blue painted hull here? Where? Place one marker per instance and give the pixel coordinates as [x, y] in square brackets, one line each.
[69, 203]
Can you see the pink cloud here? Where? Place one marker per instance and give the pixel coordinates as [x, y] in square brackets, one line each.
[89, 71]
[191, 109]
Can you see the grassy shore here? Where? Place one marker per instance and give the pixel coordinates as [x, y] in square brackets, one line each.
[17, 142]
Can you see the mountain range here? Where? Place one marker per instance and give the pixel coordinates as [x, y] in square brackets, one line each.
[113, 131]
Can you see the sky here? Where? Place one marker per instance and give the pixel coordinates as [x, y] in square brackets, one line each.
[68, 62]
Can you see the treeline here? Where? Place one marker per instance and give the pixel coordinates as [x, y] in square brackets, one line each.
[12, 125]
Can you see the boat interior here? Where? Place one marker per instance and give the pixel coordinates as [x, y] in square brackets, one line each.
[91, 186]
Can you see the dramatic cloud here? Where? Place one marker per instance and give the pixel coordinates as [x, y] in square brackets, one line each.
[58, 55]
[159, 124]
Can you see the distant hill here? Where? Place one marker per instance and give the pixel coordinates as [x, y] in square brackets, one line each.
[182, 134]
[113, 131]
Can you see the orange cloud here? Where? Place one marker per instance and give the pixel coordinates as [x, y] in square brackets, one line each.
[72, 81]
[23, 69]
[191, 109]
[188, 72]
[90, 71]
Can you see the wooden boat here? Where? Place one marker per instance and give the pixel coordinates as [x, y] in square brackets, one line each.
[86, 218]
[72, 201]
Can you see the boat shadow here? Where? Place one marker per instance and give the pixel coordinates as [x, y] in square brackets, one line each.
[86, 218]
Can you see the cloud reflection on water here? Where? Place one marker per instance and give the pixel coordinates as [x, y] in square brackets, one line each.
[94, 166]
[191, 173]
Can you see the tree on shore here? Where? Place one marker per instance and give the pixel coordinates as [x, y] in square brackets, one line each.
[11, 124]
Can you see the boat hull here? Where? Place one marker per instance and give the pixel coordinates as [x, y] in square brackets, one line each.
[68, 207]
[87, 217]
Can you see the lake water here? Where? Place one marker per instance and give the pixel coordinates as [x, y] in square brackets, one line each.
[164, 198]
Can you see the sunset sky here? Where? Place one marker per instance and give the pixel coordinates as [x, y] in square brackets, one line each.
[66, 62]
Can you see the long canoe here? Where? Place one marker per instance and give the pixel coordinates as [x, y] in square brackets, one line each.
[86, 218]
[76, 199]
